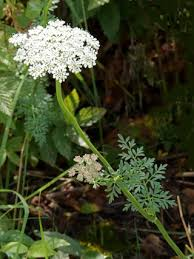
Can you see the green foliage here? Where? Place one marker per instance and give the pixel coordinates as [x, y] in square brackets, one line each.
[39, 117]
[72, 101]
[8, 78]
[40, 249]
[14, 236]
[37, 108]
[62, 143]
[141, 175]
[13, 146]
[44, 121]
[90, 115]
[1, 8]
[54, 246]
[109, 26]
[7, 89]
[34, 8]
[93, 8]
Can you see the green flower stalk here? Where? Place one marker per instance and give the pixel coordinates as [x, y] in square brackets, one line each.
[58, 49]
[146, 214]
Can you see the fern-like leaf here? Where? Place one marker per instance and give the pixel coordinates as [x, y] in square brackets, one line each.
[7, 89]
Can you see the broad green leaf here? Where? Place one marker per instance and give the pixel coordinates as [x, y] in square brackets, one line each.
[14, 144]
[22, 20]
[72, 101]
[13, 157]
[90, 115]
[60, 255]
[62, 142]
[109, 19]
[48, 152]
[71, 133]
[13, 248]
[5, 224]
[15, 236]
[34, 8]
[75, 13]
[73, 248]
[55, 242]
[40, 248]
[76, 9]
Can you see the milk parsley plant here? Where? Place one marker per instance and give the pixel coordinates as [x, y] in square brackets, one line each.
[59, 50]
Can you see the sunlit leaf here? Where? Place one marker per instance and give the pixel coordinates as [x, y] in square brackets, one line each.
[15, 236]
[40, 248]
[13, 248]
[74, 248]
[90, 115]
[60, 255]
[72, 101]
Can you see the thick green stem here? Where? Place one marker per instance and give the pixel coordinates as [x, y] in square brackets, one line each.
[73, 121]
[9, 121]
[46, 12]
[150, 217]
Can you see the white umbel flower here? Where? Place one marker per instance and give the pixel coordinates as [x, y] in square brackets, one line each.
[56, 49]
[86, 169]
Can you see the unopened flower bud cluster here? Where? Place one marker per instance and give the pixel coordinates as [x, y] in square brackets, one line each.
[57, 49]
[86, 169]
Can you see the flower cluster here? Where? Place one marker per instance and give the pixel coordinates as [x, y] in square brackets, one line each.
[86, 169]
[57, 49]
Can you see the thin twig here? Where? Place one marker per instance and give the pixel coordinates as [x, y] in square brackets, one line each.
[186, 228]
